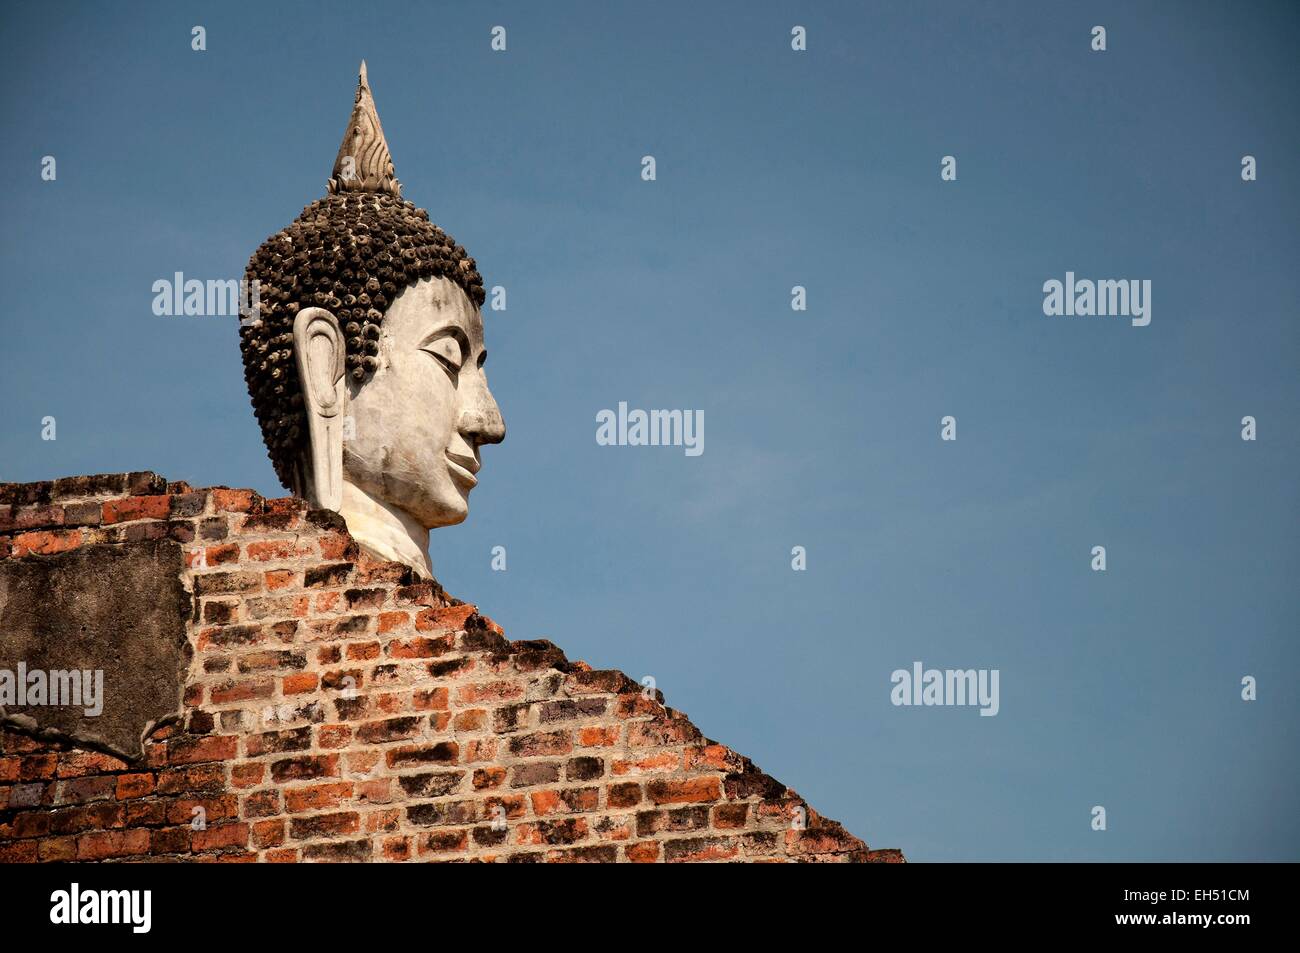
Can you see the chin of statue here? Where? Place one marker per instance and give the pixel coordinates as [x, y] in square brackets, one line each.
[428, 502]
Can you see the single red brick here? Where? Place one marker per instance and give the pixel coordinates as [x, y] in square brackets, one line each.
[363, 762]
[46, 543]
[614, 828]
[98, 846]
[333, 736]
[334, 545]
[222, 835]
[37, 824]
[594, 854]
[75, 764]
[134, 785]
[730, 815]
[161, 733]
[365, 598]
[377, 791]
[193, 779]
[405, 756]
[489, 778]
[451, 618]
[35, 767]
[262, 803]
[36, 517]
[136, 508]
[193, 750]
[886, 855]
[382, 822]
[480, 749]
[305, 767]
[717, 757]
[219, 612]
[234, 501]
[443, 842]
[627, 794]
[597, 737]
[541, 743]
[185, 810]
[388, 621]
[432, 699]
[170, 840]
[146, 813]
[824, 840]
[58, 849]
[599, 681]
[646, 852]
[247, 775]
[236, 691]
[546, 801]
[325, 825]
[225, 553]
[18, 852]
[396, 849]
[389, 729]
[697, 849]
[266, 550]
[665, 761]
[691, 791]
[299, 682]
[418, 648]
[280, 579]
[491, 691]
[660, 732]
[82, 790]
[634, 704]
[268, 833]
[317, 797]
[472, 719]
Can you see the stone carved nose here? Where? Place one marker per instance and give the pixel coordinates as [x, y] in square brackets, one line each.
[481, 420]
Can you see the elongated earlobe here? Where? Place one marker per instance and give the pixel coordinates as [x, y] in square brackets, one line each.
[318, 347]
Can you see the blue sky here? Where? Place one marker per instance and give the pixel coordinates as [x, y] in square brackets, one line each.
[774, 168]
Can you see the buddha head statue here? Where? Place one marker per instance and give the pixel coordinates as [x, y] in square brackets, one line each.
[364, 360]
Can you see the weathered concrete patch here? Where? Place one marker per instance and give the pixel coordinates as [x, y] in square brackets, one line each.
[116, 609]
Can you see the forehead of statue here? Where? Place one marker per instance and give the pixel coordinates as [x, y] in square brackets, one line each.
[431, 304]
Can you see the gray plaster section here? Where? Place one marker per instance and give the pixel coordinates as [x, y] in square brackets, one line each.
[117, 609]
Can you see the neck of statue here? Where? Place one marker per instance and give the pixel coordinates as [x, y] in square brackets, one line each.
[384, 531]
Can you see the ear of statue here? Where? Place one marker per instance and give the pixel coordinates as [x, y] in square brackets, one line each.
[318, 346]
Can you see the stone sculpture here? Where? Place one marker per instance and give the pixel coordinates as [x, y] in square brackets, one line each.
[365, 361]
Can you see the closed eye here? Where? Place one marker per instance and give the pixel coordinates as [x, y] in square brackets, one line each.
[448, 349]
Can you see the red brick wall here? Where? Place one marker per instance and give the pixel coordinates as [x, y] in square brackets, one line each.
[338, 708]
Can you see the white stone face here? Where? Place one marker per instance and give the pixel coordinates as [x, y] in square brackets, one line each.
[398, 454]
[419, 422]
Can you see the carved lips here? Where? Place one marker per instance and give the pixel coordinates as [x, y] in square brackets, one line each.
[462, 469]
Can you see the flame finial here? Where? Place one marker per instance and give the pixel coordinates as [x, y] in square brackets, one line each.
[364, 163]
